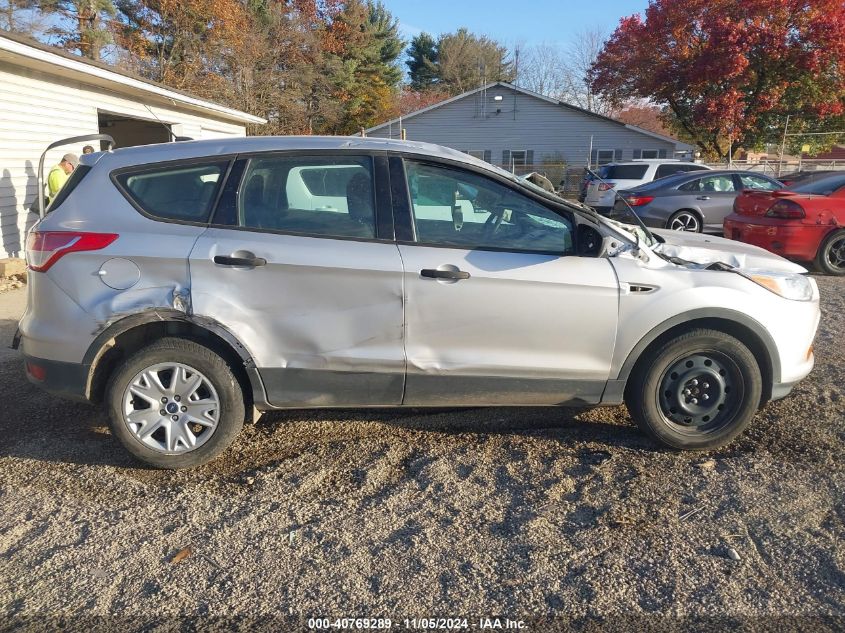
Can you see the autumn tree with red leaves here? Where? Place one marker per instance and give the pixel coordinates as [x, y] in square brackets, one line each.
[729, 71]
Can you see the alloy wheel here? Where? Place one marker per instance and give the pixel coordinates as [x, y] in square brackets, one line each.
[171, 408]
[835, 253]
[684, 222]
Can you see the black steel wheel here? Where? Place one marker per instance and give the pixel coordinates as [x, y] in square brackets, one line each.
[696, 391]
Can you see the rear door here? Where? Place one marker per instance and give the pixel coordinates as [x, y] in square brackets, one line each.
[499, 310]
[300, 265]
[713, 195]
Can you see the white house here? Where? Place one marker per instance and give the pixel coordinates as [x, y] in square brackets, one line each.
[47, 95]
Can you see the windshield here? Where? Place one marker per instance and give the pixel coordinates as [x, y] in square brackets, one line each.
[822, 186]
[623, 172]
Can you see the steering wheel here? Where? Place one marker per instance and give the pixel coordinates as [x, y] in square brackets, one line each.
[492, 224]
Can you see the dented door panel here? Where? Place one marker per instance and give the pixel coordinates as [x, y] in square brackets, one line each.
[322, 319]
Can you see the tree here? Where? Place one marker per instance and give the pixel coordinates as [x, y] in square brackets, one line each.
[729, 71]
[422, 62]
[22, 16]
[83, 25]
[562, 72]
[467, 60]
[645, 115]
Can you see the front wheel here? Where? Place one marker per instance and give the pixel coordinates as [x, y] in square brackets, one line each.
[684, 221]
[831, 256]
[697, 391]
[175, 404]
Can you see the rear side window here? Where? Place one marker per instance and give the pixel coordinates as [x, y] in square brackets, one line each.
[624, 172]
[183, 193]
[71, 184]
[668, 170]
[311, 195]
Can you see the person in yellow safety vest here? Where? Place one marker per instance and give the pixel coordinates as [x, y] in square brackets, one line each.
[60, 173]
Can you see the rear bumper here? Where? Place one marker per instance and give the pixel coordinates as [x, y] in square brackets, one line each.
[67, 380]
[790, 239]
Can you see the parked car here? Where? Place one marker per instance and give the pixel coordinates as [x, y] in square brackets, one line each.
[804, 224]
[601, 192]
[796, 178]
[693, 202]
[184, 284]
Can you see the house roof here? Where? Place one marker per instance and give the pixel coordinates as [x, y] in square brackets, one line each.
[563, 104]
[14, 46]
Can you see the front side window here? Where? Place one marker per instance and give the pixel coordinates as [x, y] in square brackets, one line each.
[667, 170]
[453, 207]
[184, 193]
[314, 195]
[756, 182]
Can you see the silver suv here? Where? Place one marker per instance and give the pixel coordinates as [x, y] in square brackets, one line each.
[188, 285]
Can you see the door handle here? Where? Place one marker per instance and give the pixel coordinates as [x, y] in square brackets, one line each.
[243, 259]
[434, 273]
[703, 198]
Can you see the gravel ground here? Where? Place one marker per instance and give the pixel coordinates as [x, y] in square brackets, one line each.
[559, 518]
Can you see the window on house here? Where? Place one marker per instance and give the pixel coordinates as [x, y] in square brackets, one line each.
[483, 154]
[519, 158]
[605, 156]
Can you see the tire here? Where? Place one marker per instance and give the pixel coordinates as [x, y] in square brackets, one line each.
[831, 256]
[202, 396]
[668, 406]
[685, 220]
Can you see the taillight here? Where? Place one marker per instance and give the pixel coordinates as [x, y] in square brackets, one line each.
[786, 209]
[45, 248]
[605, 186]
[638, 201]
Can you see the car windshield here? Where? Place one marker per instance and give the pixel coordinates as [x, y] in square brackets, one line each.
[623, 172]
[822, 186]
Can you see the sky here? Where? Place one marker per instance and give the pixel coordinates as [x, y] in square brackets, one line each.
[527, 22]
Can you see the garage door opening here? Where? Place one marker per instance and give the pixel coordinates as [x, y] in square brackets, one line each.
[130, 131]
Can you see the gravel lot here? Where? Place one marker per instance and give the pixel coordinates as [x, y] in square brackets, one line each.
[555, 517]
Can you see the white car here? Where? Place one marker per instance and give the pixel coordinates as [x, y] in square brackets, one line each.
[601, 193]
[185, 285]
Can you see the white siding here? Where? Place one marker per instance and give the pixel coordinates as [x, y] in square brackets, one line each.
[521, 121]
[38, 108]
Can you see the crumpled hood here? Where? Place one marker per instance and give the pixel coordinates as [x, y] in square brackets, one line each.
[707, 249]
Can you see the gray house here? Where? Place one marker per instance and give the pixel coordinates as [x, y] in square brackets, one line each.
[519, 129]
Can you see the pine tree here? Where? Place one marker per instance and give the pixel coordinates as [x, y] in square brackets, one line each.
[422, 62]
[84, 24]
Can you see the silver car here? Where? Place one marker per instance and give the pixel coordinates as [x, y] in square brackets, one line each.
[188, 285]
[691, 202]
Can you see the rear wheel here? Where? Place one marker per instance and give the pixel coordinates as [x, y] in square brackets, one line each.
[175, 404]
[684, 220]
[831, 256]
[697, 391]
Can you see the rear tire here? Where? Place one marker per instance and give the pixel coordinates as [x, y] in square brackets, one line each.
[831, 256]
[684, 220]
[175, 404]
[697, 391]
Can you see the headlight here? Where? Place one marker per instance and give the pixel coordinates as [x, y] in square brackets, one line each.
[788, 285]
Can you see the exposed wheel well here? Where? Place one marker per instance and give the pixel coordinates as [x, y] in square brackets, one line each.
[741, 332]
[130, 341]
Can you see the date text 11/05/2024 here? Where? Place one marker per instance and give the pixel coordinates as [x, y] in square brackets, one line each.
[426, 624]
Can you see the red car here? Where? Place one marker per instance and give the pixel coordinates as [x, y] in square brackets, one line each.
[804, 224]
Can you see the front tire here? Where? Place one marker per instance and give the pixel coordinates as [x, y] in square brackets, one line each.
[831, 256]
[685, 220]
[697, 391]
[175, 404]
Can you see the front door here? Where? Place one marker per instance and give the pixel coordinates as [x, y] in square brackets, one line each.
[499, 310]
[297, 268]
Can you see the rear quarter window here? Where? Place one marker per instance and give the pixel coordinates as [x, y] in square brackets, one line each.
[181, 193]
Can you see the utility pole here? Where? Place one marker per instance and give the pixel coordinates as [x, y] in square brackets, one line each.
[783, 145]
